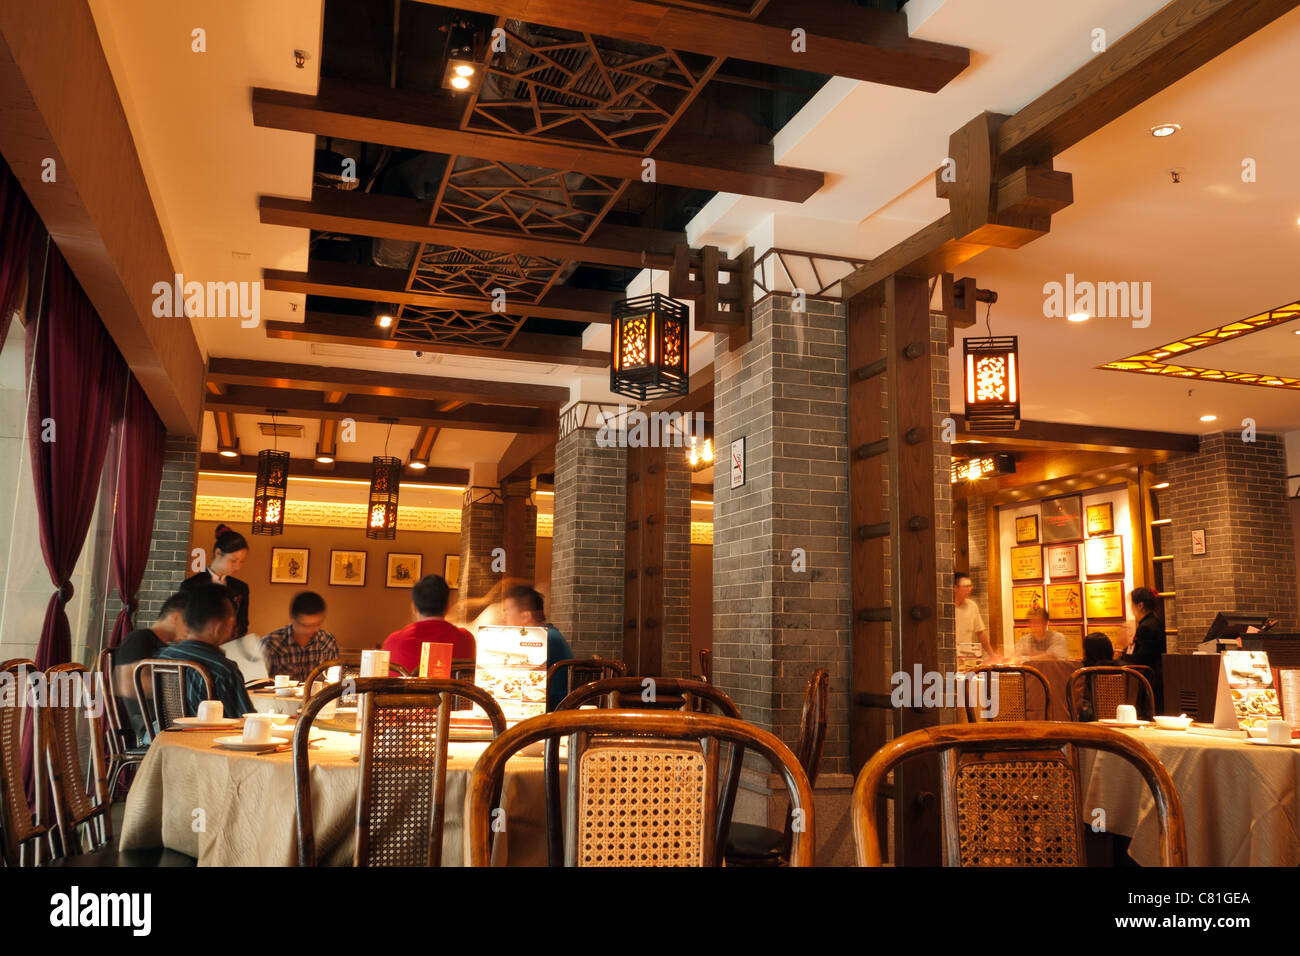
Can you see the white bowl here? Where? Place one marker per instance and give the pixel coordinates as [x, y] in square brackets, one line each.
[1173, 723]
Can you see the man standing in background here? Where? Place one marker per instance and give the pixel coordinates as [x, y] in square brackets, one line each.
[970, 625]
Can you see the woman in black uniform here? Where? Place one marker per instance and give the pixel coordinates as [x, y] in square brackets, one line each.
[228, 553]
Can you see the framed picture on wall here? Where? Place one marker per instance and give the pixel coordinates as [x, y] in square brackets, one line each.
[1024, 600]
[348, 568]
[1104, 555]
[451, 570]
[403, 570]
[289, 565]
[1073, 634]
[1027, 529]
[1104, 599]
[1062, 519]
[1064, 602]
[1027, 563]
[1100, 518]
[1062, 561]
[1118, 634]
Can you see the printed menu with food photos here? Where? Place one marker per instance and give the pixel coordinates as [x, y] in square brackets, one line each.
[1247, 698]
[511, 666]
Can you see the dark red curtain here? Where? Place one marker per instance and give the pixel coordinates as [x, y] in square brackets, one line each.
[17, 223]
[140, 440]
[78, 377]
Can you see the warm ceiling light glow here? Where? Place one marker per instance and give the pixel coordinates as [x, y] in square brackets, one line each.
[419, 465]
[229, 453]
[1208, 418]
[1161, 486]
[384, 321]
[1165, 129]
[1079, 317]
[460, 82]
[464, 69]
[324, 459]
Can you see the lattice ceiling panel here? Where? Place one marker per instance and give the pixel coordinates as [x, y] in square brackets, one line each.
[570, 87]
[451, 271]
[455, 327]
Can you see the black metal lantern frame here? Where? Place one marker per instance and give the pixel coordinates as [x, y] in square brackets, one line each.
[270, 492]
[381, 510]
[648, 347]
[992, 370]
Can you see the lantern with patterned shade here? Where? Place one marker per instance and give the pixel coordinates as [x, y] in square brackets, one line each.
[992, 384]
[270, 491]
[648, 347]
[381, 512]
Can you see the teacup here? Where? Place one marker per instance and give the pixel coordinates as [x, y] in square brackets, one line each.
[281, 680]
[209, 711]
[1279, 732]
[257, 728]
[1126, 713]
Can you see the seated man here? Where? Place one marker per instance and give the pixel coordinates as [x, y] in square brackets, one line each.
[429, 597]
[1040, 644]
[210, 621]
[525, 607]
[303, 643]
[141, 645]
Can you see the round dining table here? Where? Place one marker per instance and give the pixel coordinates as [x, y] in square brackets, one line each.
[1241, 801]
[230, 808]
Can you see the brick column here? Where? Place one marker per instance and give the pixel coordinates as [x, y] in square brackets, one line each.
[169, 548]
[482, 529]
[588, 537]
[519, 531]
[677, 567]
[1235, 491]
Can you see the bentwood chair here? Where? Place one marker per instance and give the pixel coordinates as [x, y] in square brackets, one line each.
[1105, 688]
[577, 672]
[1010, 793]
[749, 844]
[124, 751]
[21, 830]
[664, 693]
[1150, 674]
[160, 691]
[401, 795]
[643, 785]
[348, 663]
[1012, 699]
[706, 665]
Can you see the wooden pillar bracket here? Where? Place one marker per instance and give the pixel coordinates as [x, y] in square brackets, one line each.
[867, 532]
[871, 370]
[876, 614]
[872, 449]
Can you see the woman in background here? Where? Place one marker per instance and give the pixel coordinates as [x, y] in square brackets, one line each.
[228, 554]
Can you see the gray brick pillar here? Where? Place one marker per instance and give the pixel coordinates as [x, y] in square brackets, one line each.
[588, 537]
[169, 548]
[481, 529]
[677, 568]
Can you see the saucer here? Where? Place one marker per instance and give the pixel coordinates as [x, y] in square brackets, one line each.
[1269, 743]
[237, 743]
[193, 723]
[1112, 722]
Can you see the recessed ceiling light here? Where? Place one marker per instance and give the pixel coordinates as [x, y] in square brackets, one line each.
[324, 460]
[1165, 129]
[384, 321]
[418, 465]
[229, 453]
[460, 82]
[1079, 317]
[464, 69]
[1161, 486]
[1209, 418]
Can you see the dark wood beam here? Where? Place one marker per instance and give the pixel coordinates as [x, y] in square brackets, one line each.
[842, 39]
[1103, 438]
[356, 330]
[431, 124]
[699, 396]
[355, 381]
[423, 446]
[341, 280]
[392, 217]
[356, 470]
[97, 208]
[527, 456]
[300, 403]
[224, 424]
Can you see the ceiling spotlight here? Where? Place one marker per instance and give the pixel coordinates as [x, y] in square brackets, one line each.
[419, 465]
[384, 321]
[229, 453]
[460, 82]
[1165, 129]
[1209, 418]
[324, 459]
[1079, 317]
[464, 69]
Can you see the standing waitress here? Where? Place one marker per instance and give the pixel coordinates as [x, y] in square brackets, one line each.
[228, 553]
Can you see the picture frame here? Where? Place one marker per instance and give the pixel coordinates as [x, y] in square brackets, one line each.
[1073, 634]
[1062, 519]
[1027, 529]
[1100, 518]
[1104, 555]
[1118, 634]
[403, 569]
[1104, 599]
[348, 568]
[1024, 599]
[1064, 602]
[289, 565]
[451, 570]
[1027, 563]
[1062, 561]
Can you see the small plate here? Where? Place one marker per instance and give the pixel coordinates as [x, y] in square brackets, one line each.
[1112, 722]
[193, 723]
[1269, 743]
[237, 743]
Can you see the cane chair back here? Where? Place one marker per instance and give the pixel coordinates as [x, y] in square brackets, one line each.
[578, 672]
[1107, 687]
[401, 793]
[20, 829]
[706, 665]
[69, 702]
[349, 665]
[160, 691]
[123, 750]
[643, 785]
[1010, 793]
[1012, 692]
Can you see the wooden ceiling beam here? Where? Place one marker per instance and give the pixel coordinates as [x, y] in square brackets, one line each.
[527, 457]
[355, 470]
[392, 217]
[301, 403]
[341, 280]
[231, 371]
[842, 38]
[1092, 438]
[358, 331]
[431, 124]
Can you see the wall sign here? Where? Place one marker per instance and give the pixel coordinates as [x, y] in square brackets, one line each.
[1104, 599]
[1198, 541]
[1065, 601]
[738, 462]
[1104, 555]
[1062, 560]
[1100, 518]
[1062, 519]
[1027, 529]
[1024, 600]
[1027, 563]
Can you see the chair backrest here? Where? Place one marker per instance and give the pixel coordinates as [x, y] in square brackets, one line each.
[1013, 692]
[348, 663]
[118, 733]
[401, 792]
[1107, 687]
[643, 785]
[1010, 793]
[160, 691]
[19, 827]
[706, 665]
[576, 672]
[70, 699]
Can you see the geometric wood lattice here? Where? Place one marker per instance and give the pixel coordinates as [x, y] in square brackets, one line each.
[1153, 362]
[455, 327]
[450, 271]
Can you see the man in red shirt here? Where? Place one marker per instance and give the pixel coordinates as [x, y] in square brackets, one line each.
[429, 603]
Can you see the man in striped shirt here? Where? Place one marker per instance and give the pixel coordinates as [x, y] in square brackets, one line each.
[300, 645]
[210, 622]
